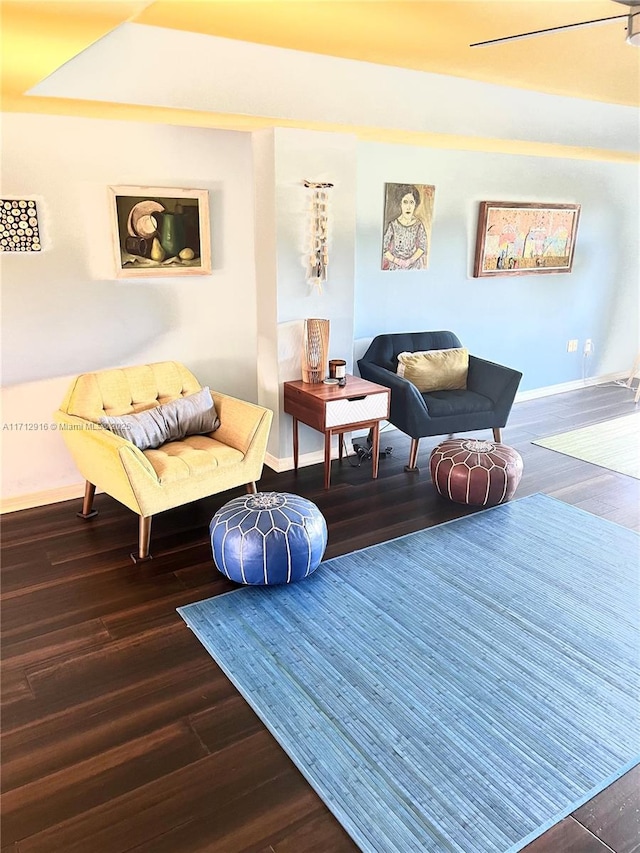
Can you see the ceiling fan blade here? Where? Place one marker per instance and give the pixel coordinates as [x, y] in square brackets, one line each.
[547, 30]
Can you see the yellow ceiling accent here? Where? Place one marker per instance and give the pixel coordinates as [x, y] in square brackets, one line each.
[431, 35]
[38, 36]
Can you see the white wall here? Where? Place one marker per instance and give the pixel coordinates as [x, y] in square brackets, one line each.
[239, 329]
[307, 155]
[523, 321]
[283, 160]
[267, 281]
[63, 312]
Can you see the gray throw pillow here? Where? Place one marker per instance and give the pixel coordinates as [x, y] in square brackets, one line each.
[192, 415]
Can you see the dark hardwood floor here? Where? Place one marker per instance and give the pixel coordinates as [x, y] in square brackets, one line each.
[120, 733]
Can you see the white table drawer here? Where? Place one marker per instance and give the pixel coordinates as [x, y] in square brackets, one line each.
[345, 412]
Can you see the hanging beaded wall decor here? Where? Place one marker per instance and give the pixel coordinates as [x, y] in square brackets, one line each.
[318, 259]
[19, 229]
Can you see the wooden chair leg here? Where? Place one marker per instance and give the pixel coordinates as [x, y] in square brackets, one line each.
[251, 488]
[87, 503]
[635, 369]
[144, 538]
[413, 456]
[497, 435]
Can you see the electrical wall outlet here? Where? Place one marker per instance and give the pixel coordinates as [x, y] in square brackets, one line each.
[572, 345]
[588, 346]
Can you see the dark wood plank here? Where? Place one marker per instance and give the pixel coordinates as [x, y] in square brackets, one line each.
[15, 685]
[84, 678]
[245, 822]
[220, 796]
[220, 726]
[568, 836]
[318, 834]
[50, 608]
[48, 743]
[59, 797]
[120, 733]
[614, 815]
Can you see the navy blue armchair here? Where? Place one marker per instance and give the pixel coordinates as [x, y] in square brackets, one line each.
[484, 404]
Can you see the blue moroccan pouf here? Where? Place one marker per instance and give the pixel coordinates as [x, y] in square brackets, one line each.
[268, 538]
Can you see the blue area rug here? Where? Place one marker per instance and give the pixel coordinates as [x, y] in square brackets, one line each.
[462, 688]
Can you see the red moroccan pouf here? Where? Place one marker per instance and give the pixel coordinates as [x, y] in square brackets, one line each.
[469, 471]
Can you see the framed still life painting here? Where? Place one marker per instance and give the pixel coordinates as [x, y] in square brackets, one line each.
[518, 239]
[408, 214]
[160, 232]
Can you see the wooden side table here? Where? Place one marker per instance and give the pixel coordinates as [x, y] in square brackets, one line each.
[333, 410]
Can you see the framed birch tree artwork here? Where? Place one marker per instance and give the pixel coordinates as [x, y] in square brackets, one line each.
[19, 227]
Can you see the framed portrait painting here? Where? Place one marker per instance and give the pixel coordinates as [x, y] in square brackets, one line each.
[160, 231]
[406, 232]
[515, 238]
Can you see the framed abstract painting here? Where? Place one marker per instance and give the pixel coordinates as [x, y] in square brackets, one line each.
[160, 232]
[514, 238]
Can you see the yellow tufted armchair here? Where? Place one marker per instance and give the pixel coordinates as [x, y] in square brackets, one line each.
[177, 472]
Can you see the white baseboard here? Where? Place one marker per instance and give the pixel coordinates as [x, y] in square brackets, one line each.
[286, 463]
[279, 465]
[50, 496]
[574, 385]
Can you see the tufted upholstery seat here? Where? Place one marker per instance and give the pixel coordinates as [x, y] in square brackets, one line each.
[193, 456]
[173, 474]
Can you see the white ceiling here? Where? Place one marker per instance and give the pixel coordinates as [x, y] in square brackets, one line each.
[225, 76]
[391, 70]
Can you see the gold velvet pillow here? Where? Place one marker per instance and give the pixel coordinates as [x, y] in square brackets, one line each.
[435, 370]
